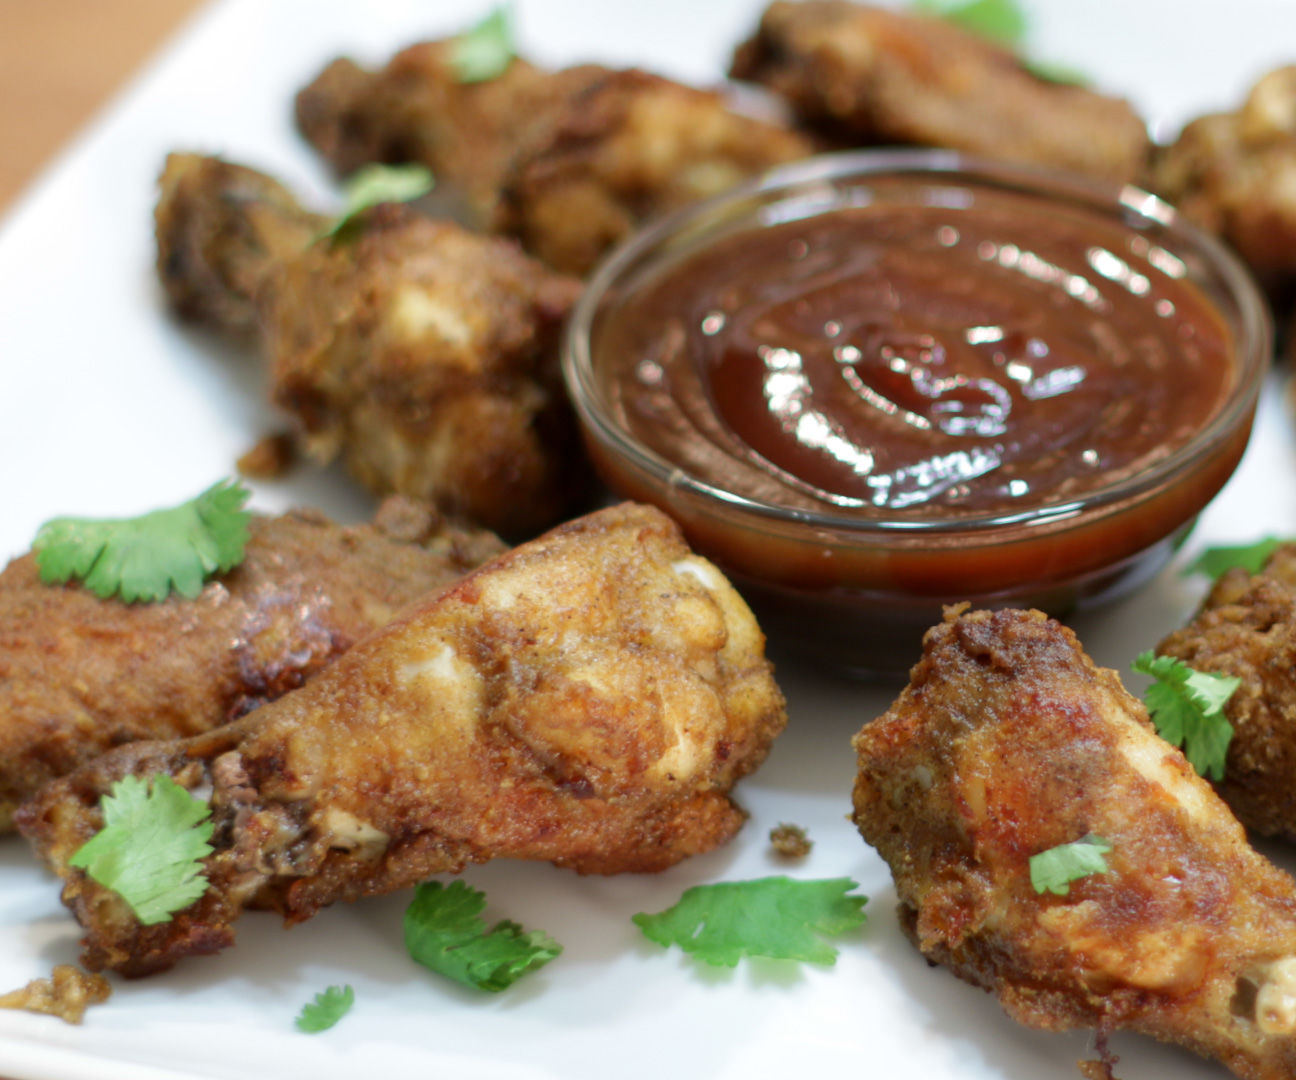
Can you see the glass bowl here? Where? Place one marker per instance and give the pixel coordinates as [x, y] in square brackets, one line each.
[852, 583]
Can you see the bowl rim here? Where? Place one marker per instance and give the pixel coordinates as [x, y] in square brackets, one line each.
[1253, 344]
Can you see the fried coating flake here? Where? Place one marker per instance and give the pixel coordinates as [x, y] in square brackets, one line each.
[67, 993]
[790, 841]
[80, 675]
[423, 355]
[1234, 173]
[588, 698]
[568, 161]
[1246, 627]
[1007, 742]
[871, 75]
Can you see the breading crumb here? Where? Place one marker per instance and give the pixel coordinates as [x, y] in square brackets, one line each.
[269, 459]
[790, 841]
[67, 993]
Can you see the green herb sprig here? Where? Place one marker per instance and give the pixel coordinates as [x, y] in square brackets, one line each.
[151, 847]
[374, 184]
[1054, 870]
[484, 51]
[774, 917]
[1187, 708]
[445, 933]
[328, 1007]
[146, 558]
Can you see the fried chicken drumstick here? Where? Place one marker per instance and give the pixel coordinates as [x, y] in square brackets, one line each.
[1247, 627]
[868, 75]
[80, 675]
[588, 698]
[569, 161]
[422, 354]
[1007, 742]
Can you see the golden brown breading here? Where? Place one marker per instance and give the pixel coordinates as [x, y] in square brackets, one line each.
[221, 230]
[569, 162]
[621, 150]
[588, 698]
[1007, 742]
[424, 355]
[67, 993]
[80, 675]
[870, 75]
[1247, 627]
[1235, 174]
[415, 109]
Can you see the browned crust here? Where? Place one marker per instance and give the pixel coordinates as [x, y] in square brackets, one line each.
[589, 699]
[80, 675]
[872, 75]
[1009, 741]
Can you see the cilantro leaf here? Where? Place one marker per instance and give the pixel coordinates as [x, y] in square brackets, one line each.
[146, 557]
[1002, 21]
[326, 1010]
[1051, 71]
[1054, 870]
[774, 916]
[1187, 708]
[374, 184]
[484, 51]
[150, 849]
[445, 933]
[1215, 561]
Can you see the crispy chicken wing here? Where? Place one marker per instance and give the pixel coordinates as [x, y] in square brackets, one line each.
[1007, 742]
[1235, 174]
[628, 147]
[1247, 627]
[415, 109]
[568, 161]
[80, 675]
[422, 354]
[588, 698]
[870, 75]
[222, 229]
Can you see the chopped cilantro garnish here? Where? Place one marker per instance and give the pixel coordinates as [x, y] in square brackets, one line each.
[774, 916]
[1215, 561]
[484, 51]
[145, 557]
[374, 184]
[1187, 708]
[326, 1010]
[444, 932]
[150, 849]
[1054, 870]
[1051, 71]
[1002, 21]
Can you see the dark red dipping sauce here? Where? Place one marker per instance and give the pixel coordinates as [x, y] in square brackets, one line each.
[959, 353]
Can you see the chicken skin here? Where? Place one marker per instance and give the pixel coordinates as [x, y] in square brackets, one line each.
[80, 675]
[569, 162]
[424, 355]
[1247, 627]
[868, 75]
[1008, 742]
[589, 698]
[1235, 174]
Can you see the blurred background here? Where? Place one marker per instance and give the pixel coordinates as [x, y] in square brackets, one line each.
[60, 61]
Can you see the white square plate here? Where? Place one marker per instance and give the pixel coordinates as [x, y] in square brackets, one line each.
[110, 408]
